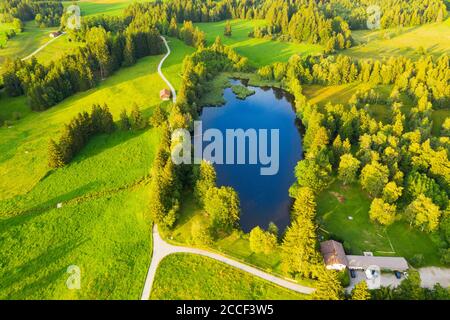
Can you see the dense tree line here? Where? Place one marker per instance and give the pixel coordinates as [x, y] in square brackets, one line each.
[308, 24]
[220, 203]
[84, 126]
[16, 27]
[427, 80]
[166, 184]
[296, 20]
[168, 180]
[45, 13]
[77, 133]
[104, 53]
[399, 164]
[325, 22]
[394, 13]
[201, 67]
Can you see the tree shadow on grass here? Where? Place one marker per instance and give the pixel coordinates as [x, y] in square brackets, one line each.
[47, 193]
[100, 143]
[25, 280]
[19, 217]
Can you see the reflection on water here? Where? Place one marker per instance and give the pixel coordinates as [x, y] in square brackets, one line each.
[263, 199]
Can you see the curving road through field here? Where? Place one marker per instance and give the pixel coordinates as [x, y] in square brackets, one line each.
[172, 89]
[42, 47]
[162, 249]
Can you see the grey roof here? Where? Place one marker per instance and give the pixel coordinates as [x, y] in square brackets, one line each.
[385, 263]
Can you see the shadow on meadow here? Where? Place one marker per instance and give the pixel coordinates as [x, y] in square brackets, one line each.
[29, 278]
[89, 171]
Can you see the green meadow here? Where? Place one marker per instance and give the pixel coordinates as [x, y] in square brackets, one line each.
[23, 152]
[341, 94]
[411, 42]
[103, 225]
[183, 276]
[173, 64]
[106, 7]
[26, 42]
[108, 238]
[55, 50]
[347, 220]
[259, 51]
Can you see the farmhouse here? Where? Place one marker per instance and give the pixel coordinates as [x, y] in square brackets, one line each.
[333, 255]
[335, 258]
[55, 34]
[165, 94]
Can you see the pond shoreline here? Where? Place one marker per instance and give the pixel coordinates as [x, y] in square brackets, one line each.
[264, 199]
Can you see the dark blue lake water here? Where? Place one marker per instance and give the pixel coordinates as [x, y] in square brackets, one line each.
[264, 198]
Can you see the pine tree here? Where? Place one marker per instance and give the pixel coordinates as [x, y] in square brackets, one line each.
[205, 181]
[173, 28]
[55, 155]
[360, 291]
[348, 168]
[137, 119]
[129, 54]
[299, 254]
[227, 31]
[158, 117]
[328, 286]
[124, 122]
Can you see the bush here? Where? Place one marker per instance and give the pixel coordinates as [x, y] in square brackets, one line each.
[417, 260]
[344, 278]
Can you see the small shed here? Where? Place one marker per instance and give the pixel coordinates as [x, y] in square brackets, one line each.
[55, 34]
[333, 255]
[165, 94]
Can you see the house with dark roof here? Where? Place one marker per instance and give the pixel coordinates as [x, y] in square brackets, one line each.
[335, 258]
[55, 34]
[333, 255]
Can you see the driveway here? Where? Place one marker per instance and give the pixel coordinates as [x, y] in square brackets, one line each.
[432, 275]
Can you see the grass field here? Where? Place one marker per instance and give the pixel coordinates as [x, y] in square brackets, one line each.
[341, 94]
[360, 234]
[107, 7]
[182, 276]
[108, 238]
[412, 41]
[25, 42]
[102, 226]
[173, 64]
[23, 151]
[259, 51]
[57, 49]
[103, 191]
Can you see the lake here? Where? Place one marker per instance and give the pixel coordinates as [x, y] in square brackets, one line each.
[264, 198]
